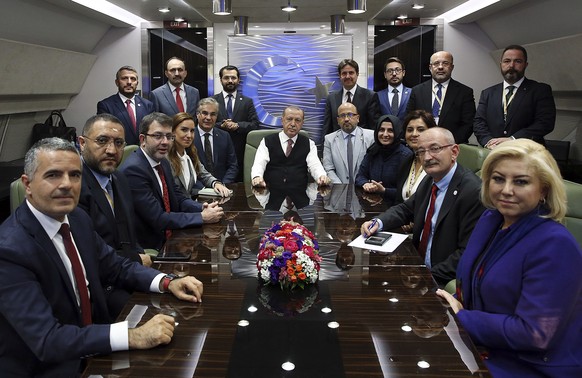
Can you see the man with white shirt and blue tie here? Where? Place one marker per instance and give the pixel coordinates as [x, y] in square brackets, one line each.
[451, 103]
[394, 99]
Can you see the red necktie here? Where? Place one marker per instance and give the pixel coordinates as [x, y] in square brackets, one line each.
[179, 102]
[131, 114]
[427, 223]
[165, 194]
[77, 273]
[289, 147]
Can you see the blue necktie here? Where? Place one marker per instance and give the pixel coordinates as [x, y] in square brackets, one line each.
[436, 106]
[229, 106]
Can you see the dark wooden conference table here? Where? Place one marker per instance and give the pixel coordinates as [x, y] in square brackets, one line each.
[370, 315]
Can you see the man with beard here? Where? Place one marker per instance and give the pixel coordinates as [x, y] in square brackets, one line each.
[175, 96]
[394, 99]
[106, 197]
[365, 100]
[451, 103]
[125, 105]
[516, 108]
[236, 113]
[444, 208]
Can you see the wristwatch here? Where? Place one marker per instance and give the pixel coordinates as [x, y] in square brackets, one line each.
[166, 281]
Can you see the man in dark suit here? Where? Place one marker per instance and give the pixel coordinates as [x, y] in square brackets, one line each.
[365, 100]
[452, 104]
[159, 204]
[214, 146]
[106, 197]
[128, 107]
[451, 192]
[516, 108]
[394, 99]
[175, 96]
[236, 114]
[53, 268]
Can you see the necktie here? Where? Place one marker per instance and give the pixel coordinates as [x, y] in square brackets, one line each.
[165, 194]
[208, 153]
[395, 102]
[350, 159]
[179, 102]
[427, 223]
[131, 114]
[510, 90]
[77, 273]
[109, 194]
[289, 147]
[436, 105]
[349, 94]
[229, 106]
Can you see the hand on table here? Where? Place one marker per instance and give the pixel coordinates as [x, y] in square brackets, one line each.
[212, 213]
[156, 331]
[187, 289]
[453, 302]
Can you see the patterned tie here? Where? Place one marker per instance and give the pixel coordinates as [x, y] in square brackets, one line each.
[349, 94]
[229, 106]
[80, 281]
[436, 105]
[109, 194]
[395, 102]
[131, 114]
[208, 153]
[510, 90]
[350, 159]
[165, 194]
[289, 147]
[427, 223]
[179, 102]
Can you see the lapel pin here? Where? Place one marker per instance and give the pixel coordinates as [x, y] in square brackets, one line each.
[455, 192]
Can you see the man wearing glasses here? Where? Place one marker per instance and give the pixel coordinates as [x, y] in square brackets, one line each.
[444, 209]
[159, 205]
[394, 99]
[451, 103]
[214, 145]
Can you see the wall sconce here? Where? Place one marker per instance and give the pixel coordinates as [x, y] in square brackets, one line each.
[338, 25]
[241, 25]
[356, 6]
[221, 7]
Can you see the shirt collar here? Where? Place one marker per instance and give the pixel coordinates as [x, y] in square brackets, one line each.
[443, 184]
[516, 85]
[345, 135]
[101, 179]
[445, 84]
[284, 138]
[202, 132]
[225, 95]
[353, 91]
[50, 225]
[152, 162]
[400, 88]
[173, 89]
[124, 99]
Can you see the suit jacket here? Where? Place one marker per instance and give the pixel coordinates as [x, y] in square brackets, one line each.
[40, 320]
[365, 100]
[165, 102]
[335, 160]
[191, 188]
[223, 155]
[152, 220]
[457, 112]
[531, 114]
[113, 105]
[533, 329]
[245, 115]
[460, 210]
[386, 107]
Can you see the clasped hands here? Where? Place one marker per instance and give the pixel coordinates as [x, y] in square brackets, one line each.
[374, 187]
[229, 124]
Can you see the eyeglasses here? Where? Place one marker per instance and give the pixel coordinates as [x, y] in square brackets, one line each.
[159, 137]
[206, 114]
[104, 141]
[349, 115]
[434, 150]
[444, 64]
[394, 71]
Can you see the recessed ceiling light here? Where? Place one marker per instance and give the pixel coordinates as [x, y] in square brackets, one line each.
[179, 19]
[289, 8]
[417, 6]
[402, 17]
[164, 10]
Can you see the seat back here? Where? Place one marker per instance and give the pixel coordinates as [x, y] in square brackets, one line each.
[472, 157]
[17, 194]
[573, 219]
[254, 138]
[127, 150]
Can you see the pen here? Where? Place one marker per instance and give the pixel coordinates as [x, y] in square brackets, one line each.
[374, 222]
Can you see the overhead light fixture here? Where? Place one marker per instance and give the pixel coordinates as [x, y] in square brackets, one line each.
[417, 6]
[402, 17]
[179, 19]
[466, 9]
[164, 10]
[221, 7]
[356, 6]
[338, 25]
[289, 7]
[241, 25]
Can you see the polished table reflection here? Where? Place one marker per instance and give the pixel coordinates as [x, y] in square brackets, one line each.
[370, 315]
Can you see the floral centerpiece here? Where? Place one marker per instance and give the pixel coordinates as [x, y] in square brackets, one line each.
[288, 256]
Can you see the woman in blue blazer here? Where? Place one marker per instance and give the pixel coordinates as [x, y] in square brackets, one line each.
[519, 287]
[379, 169]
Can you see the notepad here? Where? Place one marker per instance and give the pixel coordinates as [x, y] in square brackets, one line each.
[209, 192]
[390, 246]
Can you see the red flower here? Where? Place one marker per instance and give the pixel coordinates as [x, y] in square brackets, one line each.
[302, 276]
[290, 245]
